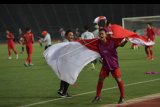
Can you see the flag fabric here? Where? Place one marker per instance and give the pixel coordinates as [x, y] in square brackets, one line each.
[99, 18]
[67, 59]
[140, 40]
[119, 33]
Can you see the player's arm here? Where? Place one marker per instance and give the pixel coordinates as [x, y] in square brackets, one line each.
[32, 39]
[12, 36]
[100, 60]
[7, 36]
[44, 39]
[92, 35]
[21, 41]
[153, 31]
[123, 42]
[109, 32]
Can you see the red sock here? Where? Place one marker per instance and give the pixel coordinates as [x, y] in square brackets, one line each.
[28, 58]
[9, 52]
[121, 88]
[99, 88]
[151, 54]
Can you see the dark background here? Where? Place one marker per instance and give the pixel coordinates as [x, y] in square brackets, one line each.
[69, 16]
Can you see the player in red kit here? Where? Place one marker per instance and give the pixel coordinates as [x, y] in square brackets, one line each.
[107, 47]
[28, 39]
[150, 37]
[10, 38]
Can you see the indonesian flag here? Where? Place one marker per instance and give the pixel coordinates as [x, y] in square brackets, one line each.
[67, 59]
[119, 32]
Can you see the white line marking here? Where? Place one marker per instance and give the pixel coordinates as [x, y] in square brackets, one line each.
[42, 102]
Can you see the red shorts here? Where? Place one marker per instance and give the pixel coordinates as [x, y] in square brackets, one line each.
[10, 45]
[105, 73]
[151, 46]
[29, 49]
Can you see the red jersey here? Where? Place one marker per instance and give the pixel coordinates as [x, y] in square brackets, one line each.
[109, 54]
[150, 34]
[28, 38]
[10, 37]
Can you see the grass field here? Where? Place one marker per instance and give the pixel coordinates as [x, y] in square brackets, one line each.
[37, 85]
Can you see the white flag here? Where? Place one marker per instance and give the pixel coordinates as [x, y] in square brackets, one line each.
[67, 59]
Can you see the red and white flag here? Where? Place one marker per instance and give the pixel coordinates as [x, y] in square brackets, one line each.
[119, 32]
[67, 59]
[99, 18]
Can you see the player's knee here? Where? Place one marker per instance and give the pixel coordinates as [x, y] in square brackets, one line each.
[101, 79]
[118, 79]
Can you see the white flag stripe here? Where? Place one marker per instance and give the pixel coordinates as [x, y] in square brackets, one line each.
[68, 66]
[141, 42]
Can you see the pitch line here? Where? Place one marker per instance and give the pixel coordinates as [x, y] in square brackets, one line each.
[42, 102]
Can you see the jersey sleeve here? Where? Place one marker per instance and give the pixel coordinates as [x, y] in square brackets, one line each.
[117, 41]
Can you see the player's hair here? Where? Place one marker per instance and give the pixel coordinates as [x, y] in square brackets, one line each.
[27, 29]
[102, 29]
[68, 32]
[8, 29]
[149, 23]
[134, 30]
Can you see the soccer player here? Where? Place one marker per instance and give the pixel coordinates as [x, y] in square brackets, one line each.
[20, 40]
[62, 34]
[96, 31]
[28, 39]
[47, 39]
[86, 34]
[64, 85]
[150, 37]
[77, 34]
[10, 38]
[107, 47]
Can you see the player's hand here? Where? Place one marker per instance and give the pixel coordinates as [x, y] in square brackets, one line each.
[126, 38]
[149, 39]
[40, 40]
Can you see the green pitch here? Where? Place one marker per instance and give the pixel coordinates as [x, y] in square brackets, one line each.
[37, 86]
